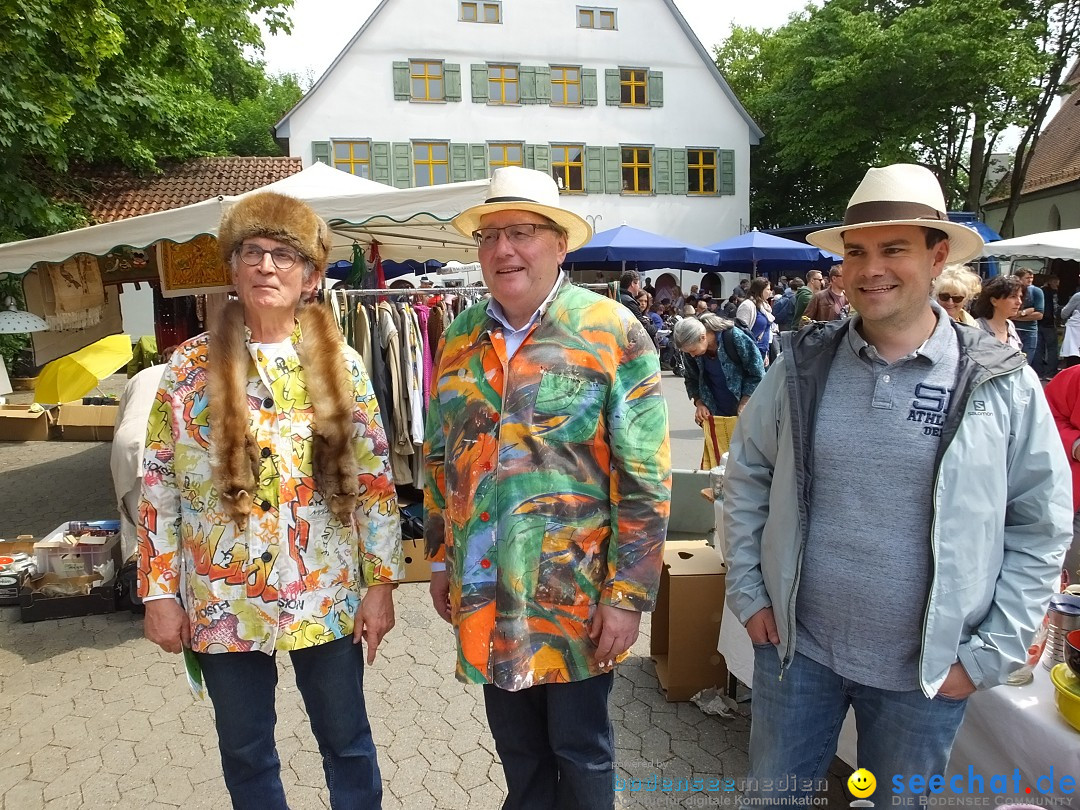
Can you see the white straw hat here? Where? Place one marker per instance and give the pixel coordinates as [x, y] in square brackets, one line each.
[516, 189]
[901, 194]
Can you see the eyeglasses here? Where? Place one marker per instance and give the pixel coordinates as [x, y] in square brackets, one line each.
[517, 234]
[282, 257]
[946, 298]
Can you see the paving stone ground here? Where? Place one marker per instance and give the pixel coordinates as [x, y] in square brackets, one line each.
[94, 716]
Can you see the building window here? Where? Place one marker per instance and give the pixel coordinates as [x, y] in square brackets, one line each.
[568, 167]
[565, 86]
[431, 163]
[427, 80]
[636, 170]
[504, 154]
[633, 84]
[353, 157]
[502, 84]
[480, 12]
[701, 171]
[591, 17]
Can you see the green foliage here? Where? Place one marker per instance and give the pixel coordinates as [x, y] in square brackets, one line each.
[857, 83]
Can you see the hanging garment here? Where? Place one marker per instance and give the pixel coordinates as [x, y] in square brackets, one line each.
[401, 448]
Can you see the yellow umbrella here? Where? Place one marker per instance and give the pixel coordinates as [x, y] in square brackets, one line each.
[77, 374]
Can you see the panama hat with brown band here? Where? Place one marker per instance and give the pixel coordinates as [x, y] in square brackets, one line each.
[901, 194]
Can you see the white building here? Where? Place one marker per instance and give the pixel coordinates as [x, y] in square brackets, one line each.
[620, 102]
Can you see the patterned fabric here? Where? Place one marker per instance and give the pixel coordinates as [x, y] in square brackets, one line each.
[290, 580]
[548, 482]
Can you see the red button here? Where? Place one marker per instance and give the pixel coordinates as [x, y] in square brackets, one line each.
[484, 516]
[485, 563]
[486, 466]
[494, 416]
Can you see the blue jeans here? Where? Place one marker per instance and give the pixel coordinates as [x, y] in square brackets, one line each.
[330, 678]
[1029, 341]
[556, 744]
[795, 725]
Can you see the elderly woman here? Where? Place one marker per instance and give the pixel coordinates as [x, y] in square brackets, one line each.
[954, 288]
[999, 300]
[267, 503]
[722, 365]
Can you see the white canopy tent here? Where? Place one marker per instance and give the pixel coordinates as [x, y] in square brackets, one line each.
[407, 223]
[1048, 245]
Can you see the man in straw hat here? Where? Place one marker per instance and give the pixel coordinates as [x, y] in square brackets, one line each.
[548, 481]
[931, 507]
[267, 504]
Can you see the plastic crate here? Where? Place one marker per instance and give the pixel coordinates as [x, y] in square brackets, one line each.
[54, 556]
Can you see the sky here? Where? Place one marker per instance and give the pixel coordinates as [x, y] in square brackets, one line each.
[315, 42]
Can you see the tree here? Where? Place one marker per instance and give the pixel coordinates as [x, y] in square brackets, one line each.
[127, 80]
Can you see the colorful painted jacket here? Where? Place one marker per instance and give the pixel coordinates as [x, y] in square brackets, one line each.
[240, 592]
[548, 484]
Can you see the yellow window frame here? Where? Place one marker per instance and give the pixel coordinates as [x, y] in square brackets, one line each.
[427, 74]
[586, 18]
[609, 17]
[468, 12]
[498, 81]
[567, 165]
[499, 154]
[353, 161]
[427, 166]
[697, 164]
[561, 83]
[497, 17]
[640, 159]
[632, 80]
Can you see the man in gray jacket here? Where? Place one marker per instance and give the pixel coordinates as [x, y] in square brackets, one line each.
[896, 508]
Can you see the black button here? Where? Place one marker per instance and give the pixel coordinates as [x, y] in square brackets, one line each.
[267, 556]
[268, 402]
[266, 506]
[266, 452]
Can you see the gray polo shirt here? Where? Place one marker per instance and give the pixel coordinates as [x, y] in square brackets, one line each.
[867, 564]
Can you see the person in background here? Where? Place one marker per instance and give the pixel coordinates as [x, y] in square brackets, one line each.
[954, 290]
[649, 288]
[1070, 345]
[743, 290]
[1046, 353]
[267, 505]
[1063, 395]
[755, 315]
[629, 290]
[997, 302]
[783, 304]
[1026, 320]
[830, 304]
[804, 292]
[722, 367]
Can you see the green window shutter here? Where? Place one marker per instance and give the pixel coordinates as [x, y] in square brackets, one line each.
[480, 83]
[452, 81]
[726, 180]
[613, 169]
[320, 152]
[459, 162]
[380, 162]
[528, 156]
[594, 170]
[401, 81]
[588, 87]
[543, 85]
[656, 88]
[478, 161]
[542, 158]
[402, 153]
[527, 84]
[661, 171]
[612, 90]
[678, 171]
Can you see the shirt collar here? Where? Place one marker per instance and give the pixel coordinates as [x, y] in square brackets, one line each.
[495, 310]
[933, 348]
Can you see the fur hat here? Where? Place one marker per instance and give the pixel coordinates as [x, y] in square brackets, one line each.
[276, 216]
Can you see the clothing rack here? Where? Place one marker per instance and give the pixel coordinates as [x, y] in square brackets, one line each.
[398, 291]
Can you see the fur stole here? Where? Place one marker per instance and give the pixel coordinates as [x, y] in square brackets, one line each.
[234, 455]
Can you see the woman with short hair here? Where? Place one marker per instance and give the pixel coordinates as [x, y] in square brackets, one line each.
[954, 289]
[999, 300]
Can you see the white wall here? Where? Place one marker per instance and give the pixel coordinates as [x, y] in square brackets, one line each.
[355, 99]
[1036, 215]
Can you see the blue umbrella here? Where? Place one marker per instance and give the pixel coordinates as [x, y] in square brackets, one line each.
[756, 251]
[626, 244]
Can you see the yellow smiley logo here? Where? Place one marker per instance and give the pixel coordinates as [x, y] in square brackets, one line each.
[861, 783]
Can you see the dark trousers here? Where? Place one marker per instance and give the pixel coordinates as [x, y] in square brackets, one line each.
[330, 678]
[1046, 353]
[556, 744]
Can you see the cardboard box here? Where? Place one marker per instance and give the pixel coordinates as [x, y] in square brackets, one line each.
[87, 423]
[11, 581]
[36, 605]
[686, 622]
[18, 424]
[417, 569]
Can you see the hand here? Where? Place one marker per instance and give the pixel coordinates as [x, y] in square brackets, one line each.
[166, 624]
[440, 594]
[957, 684]
[702, 414]
[613, 631]
[762, 627]
[374, 617]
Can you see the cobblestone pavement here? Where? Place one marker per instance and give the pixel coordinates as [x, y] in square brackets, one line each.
[94, 716]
